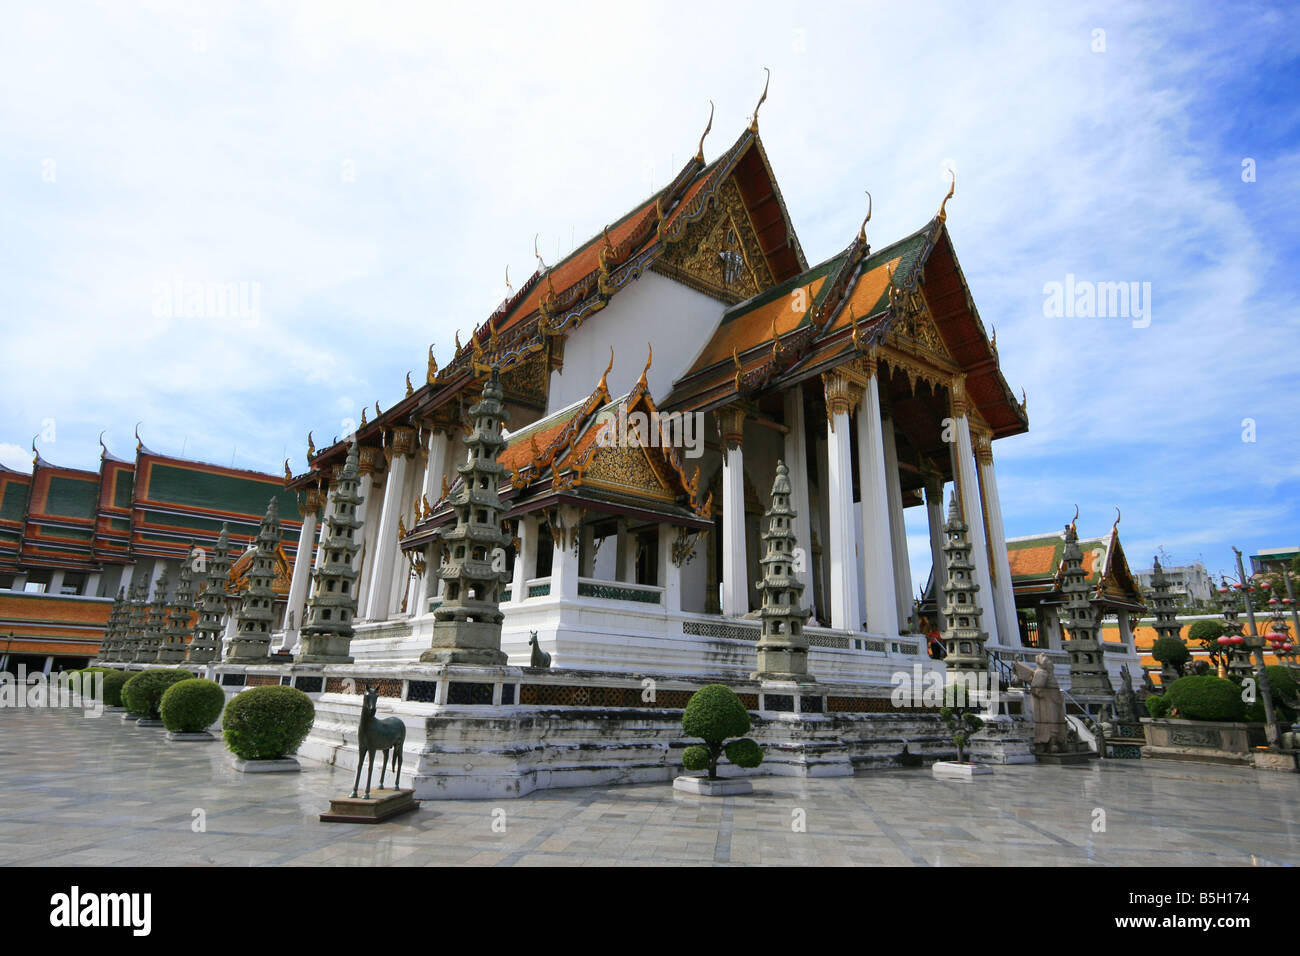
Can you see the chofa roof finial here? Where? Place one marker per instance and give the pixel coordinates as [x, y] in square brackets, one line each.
[862, 233]
[699, 155]
[753, 126]
[943, 215]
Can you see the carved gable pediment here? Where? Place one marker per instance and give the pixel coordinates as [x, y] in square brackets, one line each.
[719, 253]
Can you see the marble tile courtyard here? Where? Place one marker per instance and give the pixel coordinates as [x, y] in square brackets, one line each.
[101, 794]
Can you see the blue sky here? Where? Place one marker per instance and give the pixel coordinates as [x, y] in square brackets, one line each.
[374, 168]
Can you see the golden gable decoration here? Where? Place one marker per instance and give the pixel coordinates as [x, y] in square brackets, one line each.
[719, 255]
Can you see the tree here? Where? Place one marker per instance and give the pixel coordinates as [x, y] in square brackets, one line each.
[1172, 652]
[1207, 634]
[963, 725]
[714, 713]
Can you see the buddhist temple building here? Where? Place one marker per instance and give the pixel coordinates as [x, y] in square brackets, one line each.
[1039, 584]
[634, 497]
[70, 539]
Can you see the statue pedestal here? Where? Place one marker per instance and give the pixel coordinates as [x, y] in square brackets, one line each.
[1064, 757]
[704, 787]
[962, 771]
[1001, 740]
[384, 805]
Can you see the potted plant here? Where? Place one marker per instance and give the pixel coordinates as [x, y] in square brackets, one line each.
[715, 714]
[962, 724]
[190, 707]
[1200, 717]
[264, 726]
[143, 693]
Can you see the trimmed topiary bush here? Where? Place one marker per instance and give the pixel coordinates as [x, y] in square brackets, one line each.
[143, 693]
[1205, 698]
[114, 681]
[1157, 706]
[1205, 632]
[1171, 651]
[267, 723]
[714, 713]
[192, 706]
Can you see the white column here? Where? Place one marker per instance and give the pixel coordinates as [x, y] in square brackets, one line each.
[564, 563]
[381, 564]
[878, 554]
[401, 566]
[1125, 629]
[366, 512]
[840, 554]
[92, 584]
[302, 562]
[56, 581]
[525, 560]
[1050, 623]
[436, 466]
[897, 524]
[796, 461]
[670, 575]
[1001, 570]
[735, 587]
[969, 494]
[934, 514]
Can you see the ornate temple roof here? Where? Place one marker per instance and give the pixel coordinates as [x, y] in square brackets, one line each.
[1035, 562]
[661, 234]
[913, 288]
[14, 489]
[153, 506]
[563, 457]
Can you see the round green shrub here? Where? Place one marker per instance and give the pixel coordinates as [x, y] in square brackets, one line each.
[114, 681]
[695, 757]
[1205, 698]
[143, 693]
[1205, 632]
[1157, 706]
[191, 706]
[715, 713]
[1171, 650]
[267, 723]
[744, 753]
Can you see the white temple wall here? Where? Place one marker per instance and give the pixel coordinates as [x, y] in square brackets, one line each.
[677, 320]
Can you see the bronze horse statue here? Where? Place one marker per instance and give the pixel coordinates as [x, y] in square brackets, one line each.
[387, 733]
[539, 657]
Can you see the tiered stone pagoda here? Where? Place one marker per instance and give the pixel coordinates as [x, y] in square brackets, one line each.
[206, 646]
[113, 632]
[1088, 677]
[179, 616]
[133, 616]
[962, 638]
[151, 633]
[256, 616]
[783, 646]
[1166, 623]
[467, 625]
[326, 633]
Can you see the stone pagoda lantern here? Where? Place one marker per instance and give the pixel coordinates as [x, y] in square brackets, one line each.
[467, 625]
[326, 633]
[256, 615]
[783, 646]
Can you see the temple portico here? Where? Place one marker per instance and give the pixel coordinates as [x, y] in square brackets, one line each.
[870, 375]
